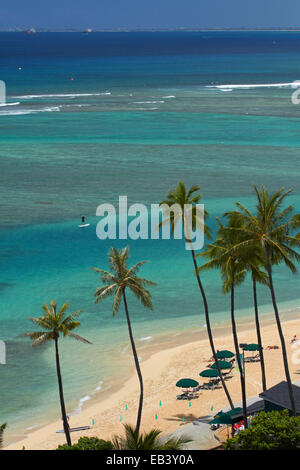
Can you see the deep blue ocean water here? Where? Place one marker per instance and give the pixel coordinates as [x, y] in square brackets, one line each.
[90, 117]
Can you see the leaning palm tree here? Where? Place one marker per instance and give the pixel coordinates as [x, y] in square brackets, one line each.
[233, 272]
[55, 323]
[254, 262]
[146, 441]
[183, 197]
[257, 276]
[2, 428]
[271, 228]
[115, 284]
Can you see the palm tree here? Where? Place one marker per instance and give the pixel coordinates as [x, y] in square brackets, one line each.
[182, 197]
[271, 229]
[233, 272]
[53, 325]
[146, 441]
[2, 428]
[115, 284]
[254, 262]
[258, 276]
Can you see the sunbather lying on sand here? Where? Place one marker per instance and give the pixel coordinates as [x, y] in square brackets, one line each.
[272, 347]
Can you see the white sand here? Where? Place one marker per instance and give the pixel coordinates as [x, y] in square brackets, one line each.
[160, 372]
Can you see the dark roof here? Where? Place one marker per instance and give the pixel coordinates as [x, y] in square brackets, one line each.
[255, 407]
[279, 395]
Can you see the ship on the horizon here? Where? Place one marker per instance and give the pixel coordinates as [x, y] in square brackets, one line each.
[88, 30]
[29, 31]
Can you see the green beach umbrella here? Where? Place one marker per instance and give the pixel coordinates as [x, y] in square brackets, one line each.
[251, 347]
[187, 383]
[224, 354]
[222, 364]
[232, 412]
[225, 418]
[209, 373]
[221, 418]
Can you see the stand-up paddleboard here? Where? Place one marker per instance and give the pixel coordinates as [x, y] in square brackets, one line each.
[81, 428]
[83, 225]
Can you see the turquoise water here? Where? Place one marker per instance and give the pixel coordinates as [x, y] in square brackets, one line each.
[142, 112]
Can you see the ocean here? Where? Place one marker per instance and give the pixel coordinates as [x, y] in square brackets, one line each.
[90, 117]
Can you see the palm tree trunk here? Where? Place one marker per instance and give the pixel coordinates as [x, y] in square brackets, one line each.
[61, 396]
[137, 365]
[238, 358]
[261, 354]
[284, 353]
[209, 332]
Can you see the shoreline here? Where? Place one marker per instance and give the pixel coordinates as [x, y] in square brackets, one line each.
[166, 357]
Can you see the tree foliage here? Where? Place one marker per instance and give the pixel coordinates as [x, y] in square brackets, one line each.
[2, 427]
[275, 430]
[122, 277]
[53, 323]
[88, 443]
[147, 441]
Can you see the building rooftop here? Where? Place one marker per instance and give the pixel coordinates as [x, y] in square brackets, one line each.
[279, 395]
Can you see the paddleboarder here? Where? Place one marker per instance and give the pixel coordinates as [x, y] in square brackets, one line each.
[83, 222]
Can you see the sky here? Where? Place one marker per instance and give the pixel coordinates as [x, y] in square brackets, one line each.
[105, 14]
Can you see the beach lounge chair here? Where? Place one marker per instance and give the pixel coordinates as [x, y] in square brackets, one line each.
[187, 396]
[248, 359]
[227, 375]
[255, 358]
[182, 396]
[211, 386]
[196, 389]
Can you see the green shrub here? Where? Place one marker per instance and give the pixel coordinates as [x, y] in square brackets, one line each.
[275, 430]
[88, 443]
[147, 441]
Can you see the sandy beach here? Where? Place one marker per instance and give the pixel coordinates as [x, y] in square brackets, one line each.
[161, 371]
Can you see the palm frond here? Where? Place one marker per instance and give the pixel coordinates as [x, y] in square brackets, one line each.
[104, 291]
[78, 338]
[123, 277]
[39, 337]
[55, 323]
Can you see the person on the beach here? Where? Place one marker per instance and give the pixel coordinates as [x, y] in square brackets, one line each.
[83, 220]
[293, 339]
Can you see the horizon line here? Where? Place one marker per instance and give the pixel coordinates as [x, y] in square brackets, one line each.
[145, 29]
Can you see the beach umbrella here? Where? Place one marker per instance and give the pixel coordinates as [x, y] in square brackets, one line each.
[222, 364]
[187, 383]
[224, 354]
[226, 418]
[232, 412]
[209, 373]
[221, 418]
[251, 347]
